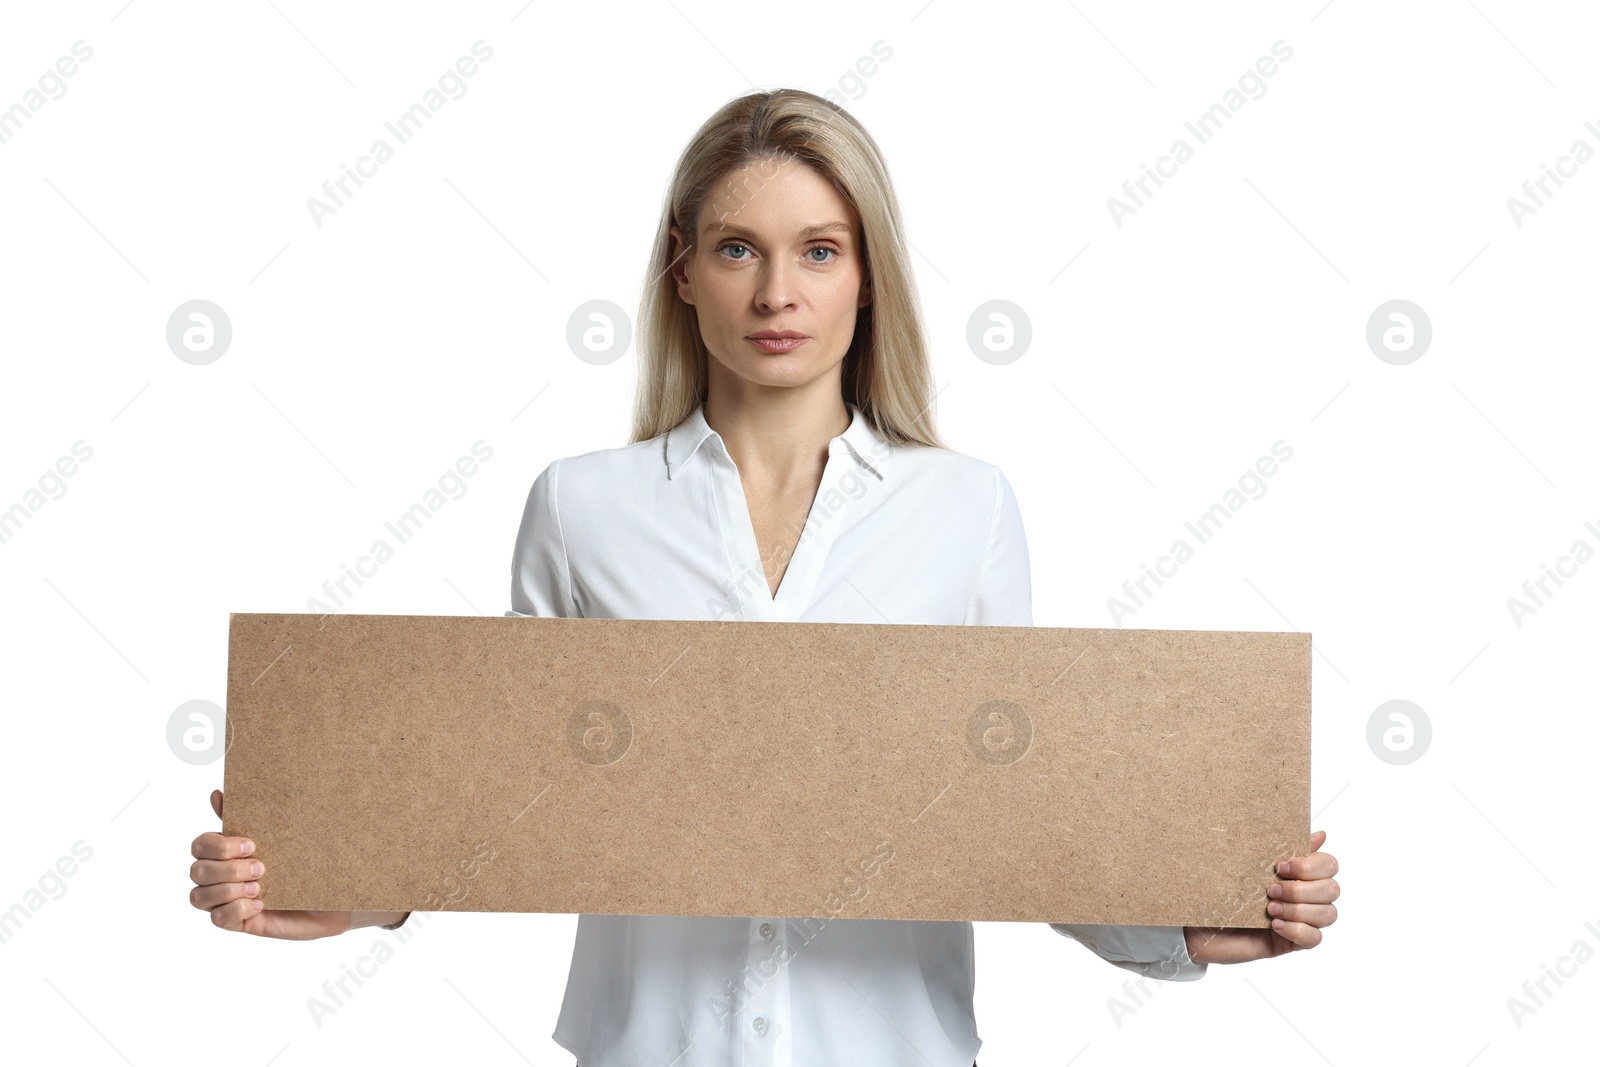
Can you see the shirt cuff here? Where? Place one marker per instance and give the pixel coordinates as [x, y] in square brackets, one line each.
[1153, 951]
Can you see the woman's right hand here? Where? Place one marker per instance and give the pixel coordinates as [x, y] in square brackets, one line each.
[226, 875]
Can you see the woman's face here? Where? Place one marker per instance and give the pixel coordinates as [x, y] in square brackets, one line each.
[777, 251]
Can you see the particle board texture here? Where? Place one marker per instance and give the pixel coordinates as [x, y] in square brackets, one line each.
[666, 767]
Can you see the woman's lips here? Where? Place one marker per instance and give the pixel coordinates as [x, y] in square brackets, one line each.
[778, 344]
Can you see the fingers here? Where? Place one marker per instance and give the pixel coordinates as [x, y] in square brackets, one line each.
[1316, 891]
[214, 846]
[1302, 904]
[234, 914]
[1302, 935]
[1318, 915]
[225, 881]
[215, 872]
[217, 856]
[207, 897]
[1313, 865]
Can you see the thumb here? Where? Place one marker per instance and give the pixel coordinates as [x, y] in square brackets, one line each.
[216, 801]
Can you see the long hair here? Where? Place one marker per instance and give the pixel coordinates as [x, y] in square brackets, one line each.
[886, 372]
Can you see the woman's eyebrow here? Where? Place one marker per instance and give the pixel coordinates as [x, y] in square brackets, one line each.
[806, 234]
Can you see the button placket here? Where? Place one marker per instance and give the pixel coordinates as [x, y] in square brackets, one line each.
[767, 1041]
[757, 1014]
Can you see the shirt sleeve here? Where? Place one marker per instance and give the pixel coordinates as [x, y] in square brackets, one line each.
[1003, 595]
[541, 579]
[1153, 951]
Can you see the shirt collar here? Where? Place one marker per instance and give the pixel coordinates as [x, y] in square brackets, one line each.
[870, 448]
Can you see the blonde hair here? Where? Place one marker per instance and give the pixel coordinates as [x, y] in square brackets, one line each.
[886, 372]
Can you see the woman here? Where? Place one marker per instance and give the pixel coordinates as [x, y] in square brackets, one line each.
[784, 467]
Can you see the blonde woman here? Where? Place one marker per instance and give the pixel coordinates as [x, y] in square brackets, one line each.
[784, 467]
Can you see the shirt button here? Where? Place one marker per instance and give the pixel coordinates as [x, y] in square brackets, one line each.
[759, 1024]
[766, 931]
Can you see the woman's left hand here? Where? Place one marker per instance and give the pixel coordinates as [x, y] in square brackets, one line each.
[1301, 905]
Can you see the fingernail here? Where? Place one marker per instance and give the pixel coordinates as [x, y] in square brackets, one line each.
[1274, 890]
[251, 888]
[259, 905]
[256, 868]
[1275, 908]
[1277, 924]
[246, 847]
[1283, 868]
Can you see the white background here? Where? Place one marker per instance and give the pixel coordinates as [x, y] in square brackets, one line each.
[430, 312]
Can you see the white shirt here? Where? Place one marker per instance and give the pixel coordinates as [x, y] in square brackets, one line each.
[896, 534]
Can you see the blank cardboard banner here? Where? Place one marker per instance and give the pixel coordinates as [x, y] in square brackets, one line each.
[663, 767]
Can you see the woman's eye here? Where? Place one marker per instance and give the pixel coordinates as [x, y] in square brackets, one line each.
[726, 245]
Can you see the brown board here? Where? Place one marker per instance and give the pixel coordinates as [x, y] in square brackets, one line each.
[662, 767]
